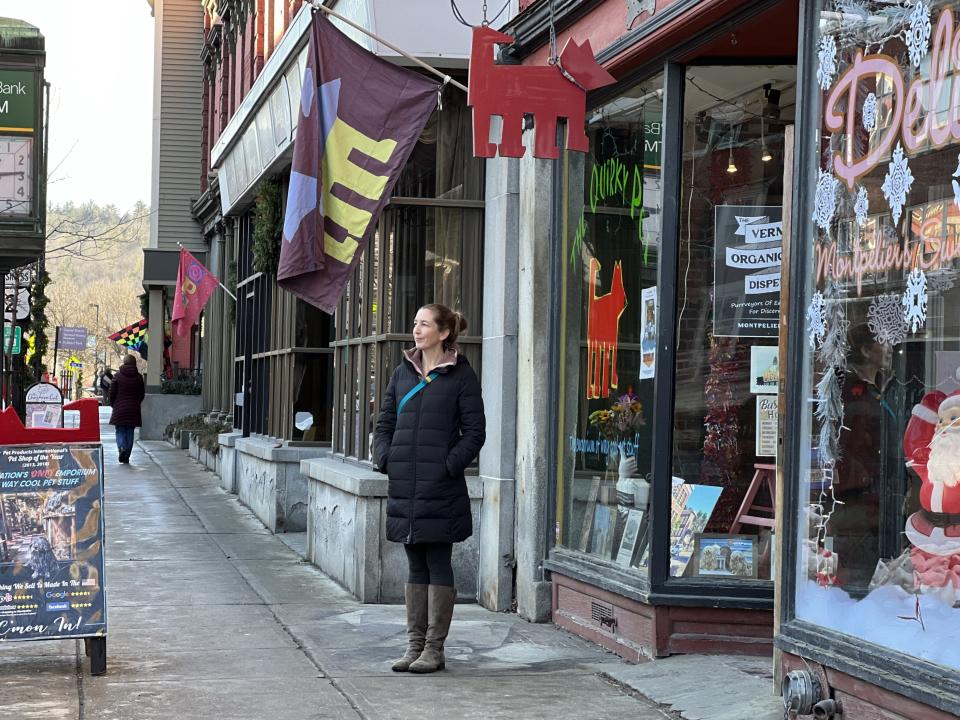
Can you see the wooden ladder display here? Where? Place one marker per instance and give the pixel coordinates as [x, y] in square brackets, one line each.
[745, 516]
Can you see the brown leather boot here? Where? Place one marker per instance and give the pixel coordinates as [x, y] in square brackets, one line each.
[439, 614]
[416, 598]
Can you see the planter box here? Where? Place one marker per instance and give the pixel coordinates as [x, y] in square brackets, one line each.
[210, 460]
[346, 533]
[194, 447]
[270, 483]
[227, 460]
[159, 410]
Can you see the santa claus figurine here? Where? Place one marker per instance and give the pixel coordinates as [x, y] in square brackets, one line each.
[931, 445]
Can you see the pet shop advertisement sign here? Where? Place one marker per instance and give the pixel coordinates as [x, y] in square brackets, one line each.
[51, 542]
[749, 249]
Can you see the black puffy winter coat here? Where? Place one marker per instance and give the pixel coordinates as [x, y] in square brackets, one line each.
[425, 449]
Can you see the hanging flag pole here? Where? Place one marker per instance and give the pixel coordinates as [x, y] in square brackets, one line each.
[318, 5]
[226, 291]
[215, 277]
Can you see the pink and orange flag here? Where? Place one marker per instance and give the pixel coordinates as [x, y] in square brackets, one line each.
[195, 285]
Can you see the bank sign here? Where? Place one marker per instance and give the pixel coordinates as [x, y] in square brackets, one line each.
[748, 253]
[17, 98]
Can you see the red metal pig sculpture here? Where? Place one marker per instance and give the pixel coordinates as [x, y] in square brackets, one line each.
[547, 93]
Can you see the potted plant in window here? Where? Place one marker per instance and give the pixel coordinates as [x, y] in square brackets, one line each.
[620, 424]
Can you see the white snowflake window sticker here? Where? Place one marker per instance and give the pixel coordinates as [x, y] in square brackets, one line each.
[869, 117]
[886, 320]
[816, 320]
[827, 67]
[918, 36]
[825, 201]
[956, 185]
[915, 300]
[862, 206]
[897, 183]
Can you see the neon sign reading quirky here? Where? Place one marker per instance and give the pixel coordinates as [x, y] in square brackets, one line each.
[907, 103]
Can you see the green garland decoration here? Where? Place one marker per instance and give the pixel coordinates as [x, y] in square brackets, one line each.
[267, 228]
[38, 321]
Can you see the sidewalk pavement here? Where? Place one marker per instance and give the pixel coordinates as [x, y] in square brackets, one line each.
[211, 616]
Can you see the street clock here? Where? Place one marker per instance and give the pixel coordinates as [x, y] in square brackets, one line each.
[22, 167]
[16, 175]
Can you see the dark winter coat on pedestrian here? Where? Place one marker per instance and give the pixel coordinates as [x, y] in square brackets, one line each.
[126, 394]
[425, 449]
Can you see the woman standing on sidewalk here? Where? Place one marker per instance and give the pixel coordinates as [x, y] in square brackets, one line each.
[431, 427]
[126, 394]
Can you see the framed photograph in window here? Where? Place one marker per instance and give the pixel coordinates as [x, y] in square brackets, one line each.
[631, 534]
[725, 555]
[587, 526]
[604, 523]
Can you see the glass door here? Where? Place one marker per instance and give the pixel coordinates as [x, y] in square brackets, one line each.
[727, 312]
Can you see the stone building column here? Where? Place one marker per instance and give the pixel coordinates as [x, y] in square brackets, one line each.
[228, 347]
[498, 457]
[155, 340]
[533, 383]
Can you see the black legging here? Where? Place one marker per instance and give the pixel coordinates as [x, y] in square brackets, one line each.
[430, 564]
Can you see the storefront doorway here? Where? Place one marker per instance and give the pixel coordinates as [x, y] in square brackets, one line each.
[727, 320]
[666, 476]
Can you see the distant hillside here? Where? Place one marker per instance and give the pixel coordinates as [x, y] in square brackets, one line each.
[95, 258]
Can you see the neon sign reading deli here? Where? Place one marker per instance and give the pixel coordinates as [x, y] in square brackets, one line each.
[907, 103]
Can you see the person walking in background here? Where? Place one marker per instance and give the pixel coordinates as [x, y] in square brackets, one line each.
[430, 428]
[106, 377]
[126, 394]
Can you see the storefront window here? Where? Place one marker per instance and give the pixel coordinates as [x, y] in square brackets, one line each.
[609, 330]
[879, 524]
[728, 309]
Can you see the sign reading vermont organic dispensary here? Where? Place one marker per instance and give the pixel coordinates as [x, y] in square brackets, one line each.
[51, 542]
[749, 245]
[17, 100]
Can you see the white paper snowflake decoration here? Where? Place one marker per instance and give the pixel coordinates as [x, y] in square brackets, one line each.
[915, 300]
[869, 117]
[827, 67]
[825, 200]
[956, 185]
[886, 320]
[862, 206]
[816, 321]
[897, 183]
[918, 36]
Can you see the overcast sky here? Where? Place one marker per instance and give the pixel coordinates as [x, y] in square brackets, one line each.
[100, 67]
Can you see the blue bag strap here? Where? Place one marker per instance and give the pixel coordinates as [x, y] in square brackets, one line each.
[417, 388]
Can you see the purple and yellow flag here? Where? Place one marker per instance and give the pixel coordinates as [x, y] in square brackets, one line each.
[360, 117]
